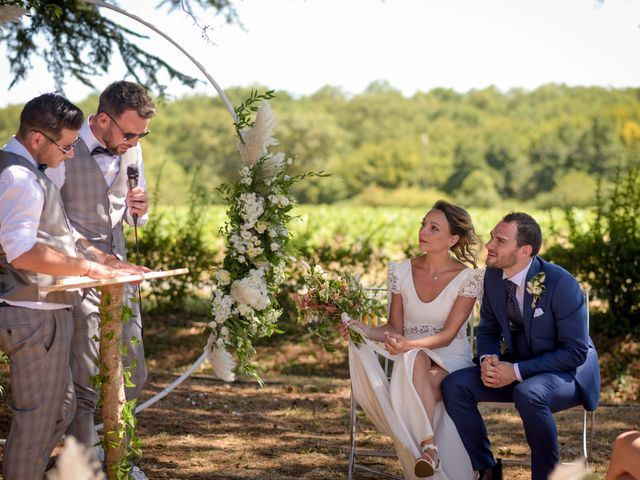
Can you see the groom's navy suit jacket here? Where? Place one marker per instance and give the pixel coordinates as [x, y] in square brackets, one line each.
[557, 339]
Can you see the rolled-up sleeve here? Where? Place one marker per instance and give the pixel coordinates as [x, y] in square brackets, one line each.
[21, 203]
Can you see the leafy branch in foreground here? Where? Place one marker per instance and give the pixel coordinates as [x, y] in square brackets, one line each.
[78, 41]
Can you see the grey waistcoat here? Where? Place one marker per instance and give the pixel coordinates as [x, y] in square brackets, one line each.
[96, 210]
[53, 231]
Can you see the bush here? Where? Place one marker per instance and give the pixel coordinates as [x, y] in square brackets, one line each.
[607, 254]
[572, 189]
[175, 241]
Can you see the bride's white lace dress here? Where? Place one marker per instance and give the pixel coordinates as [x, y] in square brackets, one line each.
[394, 407]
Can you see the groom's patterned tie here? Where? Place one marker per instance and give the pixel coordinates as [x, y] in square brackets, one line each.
[513, 309]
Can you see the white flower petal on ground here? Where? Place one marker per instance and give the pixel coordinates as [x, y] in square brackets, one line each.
[221, 361]
[259, 137]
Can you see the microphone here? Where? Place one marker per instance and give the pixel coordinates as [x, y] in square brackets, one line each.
[132, 179]
[132, 176]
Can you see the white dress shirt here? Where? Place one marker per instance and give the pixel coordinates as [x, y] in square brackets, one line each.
[520, 280]
[109, 164]
[21, 203]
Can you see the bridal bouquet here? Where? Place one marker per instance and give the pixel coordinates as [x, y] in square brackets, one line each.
[326, 300]
[243, 303]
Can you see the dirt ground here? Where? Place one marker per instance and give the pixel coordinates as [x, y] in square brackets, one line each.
[297, 425]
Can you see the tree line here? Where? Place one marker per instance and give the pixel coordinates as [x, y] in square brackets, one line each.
[551, 146]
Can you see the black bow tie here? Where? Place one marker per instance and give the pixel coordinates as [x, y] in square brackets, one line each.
[42, 167]
[99, 150]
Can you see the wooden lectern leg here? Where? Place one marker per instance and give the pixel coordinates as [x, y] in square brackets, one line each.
[112, 376]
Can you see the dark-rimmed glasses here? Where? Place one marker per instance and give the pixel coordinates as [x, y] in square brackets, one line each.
[64, 150]
[128, 135]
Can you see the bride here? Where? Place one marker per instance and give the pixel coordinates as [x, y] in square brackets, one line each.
[432, 297]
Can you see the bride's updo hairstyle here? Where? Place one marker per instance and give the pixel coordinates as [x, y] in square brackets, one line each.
[460, 224]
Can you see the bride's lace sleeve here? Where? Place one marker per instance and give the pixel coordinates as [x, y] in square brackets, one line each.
[472, 286]
[393, 281]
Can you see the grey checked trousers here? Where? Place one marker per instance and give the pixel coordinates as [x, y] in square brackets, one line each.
[38, 344]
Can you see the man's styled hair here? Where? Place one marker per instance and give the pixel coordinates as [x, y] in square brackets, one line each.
[529, 231]
[121, 96]
[50, 113]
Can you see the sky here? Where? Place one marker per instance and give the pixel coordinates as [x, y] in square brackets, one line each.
[415, 45]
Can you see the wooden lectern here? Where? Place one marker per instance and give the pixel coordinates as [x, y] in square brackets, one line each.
[111, 370]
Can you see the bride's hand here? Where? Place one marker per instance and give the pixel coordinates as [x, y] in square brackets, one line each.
[343, 328]
[395, 344]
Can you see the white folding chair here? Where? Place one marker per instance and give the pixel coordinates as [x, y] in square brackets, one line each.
[354, 453]
[587, 438]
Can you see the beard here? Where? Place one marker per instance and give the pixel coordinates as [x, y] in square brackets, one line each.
[506, 261]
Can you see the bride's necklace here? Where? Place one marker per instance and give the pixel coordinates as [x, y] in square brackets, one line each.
[435, 275]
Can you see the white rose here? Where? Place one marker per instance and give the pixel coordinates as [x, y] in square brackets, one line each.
[223, 277]
[275, 247]
[224, 331]
[283, 201]
[261, 226]
[241, 258]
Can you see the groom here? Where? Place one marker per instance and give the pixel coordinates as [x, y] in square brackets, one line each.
[550, 363]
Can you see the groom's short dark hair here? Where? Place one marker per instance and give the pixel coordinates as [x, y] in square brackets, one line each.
[529, 231]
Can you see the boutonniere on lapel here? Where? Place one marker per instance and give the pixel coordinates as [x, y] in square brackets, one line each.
[536, 288]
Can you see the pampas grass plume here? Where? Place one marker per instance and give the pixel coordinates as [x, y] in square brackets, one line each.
[570, 471]
[259, 137]
[221, 361]
[74, 463]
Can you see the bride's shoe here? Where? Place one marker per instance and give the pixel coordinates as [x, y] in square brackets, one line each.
[427, 467]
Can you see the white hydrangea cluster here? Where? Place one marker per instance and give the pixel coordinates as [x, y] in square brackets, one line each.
[222, 307]
[251, 290]
[252, 207]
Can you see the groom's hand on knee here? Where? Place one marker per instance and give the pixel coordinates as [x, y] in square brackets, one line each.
[489, 370]
[507, 374]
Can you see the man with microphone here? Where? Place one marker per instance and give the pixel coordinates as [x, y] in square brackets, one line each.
[102, 187]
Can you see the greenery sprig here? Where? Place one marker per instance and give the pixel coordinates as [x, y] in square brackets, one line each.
[246, 110]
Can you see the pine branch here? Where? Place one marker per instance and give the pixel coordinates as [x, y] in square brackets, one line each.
[80, 43]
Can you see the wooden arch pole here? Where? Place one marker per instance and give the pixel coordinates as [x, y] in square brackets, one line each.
[111, 373]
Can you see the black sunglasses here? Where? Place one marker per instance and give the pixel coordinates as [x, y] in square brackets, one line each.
[64, 150]
[128, 135]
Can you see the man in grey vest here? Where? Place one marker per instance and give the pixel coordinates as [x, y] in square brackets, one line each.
[97, 200]
[36, 248]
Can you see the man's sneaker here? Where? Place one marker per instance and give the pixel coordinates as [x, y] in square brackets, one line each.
[137, 474]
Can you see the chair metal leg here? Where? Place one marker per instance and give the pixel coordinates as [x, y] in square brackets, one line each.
[592, 432]
[585, 452]
[352, 443]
